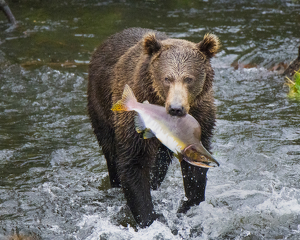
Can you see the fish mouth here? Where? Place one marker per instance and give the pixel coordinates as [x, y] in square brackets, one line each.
[197, 155]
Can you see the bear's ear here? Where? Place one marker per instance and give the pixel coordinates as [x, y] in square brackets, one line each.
[151, 44]
[209, 45]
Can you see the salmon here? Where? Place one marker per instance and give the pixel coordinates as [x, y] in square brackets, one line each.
[180, 134]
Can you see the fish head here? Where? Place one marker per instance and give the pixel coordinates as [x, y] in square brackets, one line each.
[179, 69]
[197, 155]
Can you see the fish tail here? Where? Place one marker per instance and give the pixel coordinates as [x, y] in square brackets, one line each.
[125, 104]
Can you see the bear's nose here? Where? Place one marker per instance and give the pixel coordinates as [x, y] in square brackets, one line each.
[178, 111]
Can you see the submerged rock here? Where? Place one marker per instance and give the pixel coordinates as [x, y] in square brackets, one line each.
[294, 66]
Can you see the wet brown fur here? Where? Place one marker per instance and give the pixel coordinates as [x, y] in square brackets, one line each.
[153, 65]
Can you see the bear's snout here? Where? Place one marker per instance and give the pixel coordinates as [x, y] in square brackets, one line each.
[177, 100]
[177, 110]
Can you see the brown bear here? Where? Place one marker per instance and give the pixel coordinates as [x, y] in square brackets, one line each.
[169, 72]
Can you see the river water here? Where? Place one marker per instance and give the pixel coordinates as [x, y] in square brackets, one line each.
[53, 177]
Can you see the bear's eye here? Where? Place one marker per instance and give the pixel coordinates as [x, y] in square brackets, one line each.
[167, 81]
[188, 80]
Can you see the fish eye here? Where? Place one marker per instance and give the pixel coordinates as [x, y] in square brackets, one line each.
[188, 80]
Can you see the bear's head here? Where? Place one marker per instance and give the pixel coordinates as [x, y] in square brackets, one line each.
[180, 69]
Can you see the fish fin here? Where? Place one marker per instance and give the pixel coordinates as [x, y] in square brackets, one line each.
[146, 102]
[178, 156]
[139, 123]
[148, 134]
[119, 107]
[127, 97]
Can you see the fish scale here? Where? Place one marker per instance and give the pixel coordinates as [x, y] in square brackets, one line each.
[160, 132]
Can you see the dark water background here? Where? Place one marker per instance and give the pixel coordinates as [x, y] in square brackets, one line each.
[53, 177]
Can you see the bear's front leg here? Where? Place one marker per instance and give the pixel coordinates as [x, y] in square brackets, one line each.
[136, 188]
[135, 157]
[194, 180]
